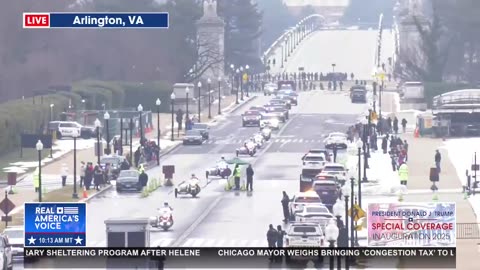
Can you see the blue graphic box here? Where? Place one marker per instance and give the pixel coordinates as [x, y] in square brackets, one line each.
[55, 224]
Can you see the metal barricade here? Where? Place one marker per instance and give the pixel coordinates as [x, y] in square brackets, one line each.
[468, 230]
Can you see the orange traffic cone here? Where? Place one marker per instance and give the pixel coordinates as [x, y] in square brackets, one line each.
[85, 193]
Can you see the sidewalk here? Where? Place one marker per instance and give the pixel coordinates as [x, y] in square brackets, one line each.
[420, 159]
[51, 171]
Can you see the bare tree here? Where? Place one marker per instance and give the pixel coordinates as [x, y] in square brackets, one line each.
[208, 57]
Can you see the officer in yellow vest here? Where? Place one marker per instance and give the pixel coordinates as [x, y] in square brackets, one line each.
[403, 174]
[36, 179]
[236, 175]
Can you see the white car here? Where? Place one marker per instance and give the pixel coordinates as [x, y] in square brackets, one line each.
[270, 89]
[71, 129]
[270, 121]
[315, 214]
[16, 239]
[304, 235]
[337, 170]
[302, 199]
[315, 159]
[336, 138]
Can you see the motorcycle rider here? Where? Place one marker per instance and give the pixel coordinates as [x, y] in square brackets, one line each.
[250, 145]
[222, 164]
[166, 209]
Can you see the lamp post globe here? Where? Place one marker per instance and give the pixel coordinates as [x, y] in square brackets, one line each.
[331, 232]
[247, 67]
[106, 117]
[338, 208]
[359, 144]
[346, 189]
[140, 107]
[158, 102]
[172, 96]
[209, 81]
[39, 145]
[199, 84]
[237, 71]
[232, 66]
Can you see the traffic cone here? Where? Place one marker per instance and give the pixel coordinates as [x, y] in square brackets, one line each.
[85, 193]
[435, 197]
[416, 133]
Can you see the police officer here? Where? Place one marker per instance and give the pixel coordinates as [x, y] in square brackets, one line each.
[236, 175]
[403, 174]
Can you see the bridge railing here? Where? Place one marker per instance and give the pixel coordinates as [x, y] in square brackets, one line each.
[457, 100]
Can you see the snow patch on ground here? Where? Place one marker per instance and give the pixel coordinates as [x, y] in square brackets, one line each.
[461, 153]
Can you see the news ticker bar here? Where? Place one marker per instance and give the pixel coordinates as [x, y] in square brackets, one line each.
[235, 257]
[91, 20]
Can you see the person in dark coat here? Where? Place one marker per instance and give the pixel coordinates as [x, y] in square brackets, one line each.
[143, 178]
[395, 125]
[280, 235]
[404, 125]
[88, 175]
[438, 159]
[389, 125]
[405, 146]
[334, 152]
[97, 177]
[285, 202]
[272, 236]
[385, 144]
[250, 174]
[125, 165]
[136, 156]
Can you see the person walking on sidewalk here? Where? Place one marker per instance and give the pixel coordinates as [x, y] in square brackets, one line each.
[385, 144]
[438, 159]
[82, 173]
[403, 174]
[97, 177]
[395, 125]
[405, 147]
[64, 173]
[404, 125]
[250, 174]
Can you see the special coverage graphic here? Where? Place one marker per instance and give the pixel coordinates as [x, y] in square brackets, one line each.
[412, 225]
[55, 224]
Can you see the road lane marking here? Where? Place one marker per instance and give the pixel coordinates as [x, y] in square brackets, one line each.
[162, 242]
[220, 243]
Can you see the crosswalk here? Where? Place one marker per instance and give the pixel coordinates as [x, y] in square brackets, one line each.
[241, 141]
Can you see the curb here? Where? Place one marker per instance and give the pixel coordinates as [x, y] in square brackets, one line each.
[96, 194]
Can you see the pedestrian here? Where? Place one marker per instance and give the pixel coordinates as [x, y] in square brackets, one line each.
[389, 125]
[143, 179]
[404, 125]
[385, 144]
[403, 174]
[36, 179]
[272, 236]
[281, 234]
[125, 165]
[250, 174]
[285, 203]
[405, 147]
[136, 157]
[97, 177]
[236, 176]
[82, 173]
[394, 162]
[341, 85]
[335, 151]
[88, 175]
[352, 76]
[438, 159]
[395, 125]
[64, 174]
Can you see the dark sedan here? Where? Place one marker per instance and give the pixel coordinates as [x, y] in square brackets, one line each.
[203, 128]
[251, 118]
[292, 95]
[281, 102]
[193, 137]
[279, 111]
[128, 180]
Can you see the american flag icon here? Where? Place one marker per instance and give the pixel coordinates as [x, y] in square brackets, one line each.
[70, 210]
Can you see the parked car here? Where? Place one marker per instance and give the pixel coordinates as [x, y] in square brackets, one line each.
[193, 137]
[315, 214]
[328, 155]
[15, 236]
[6, 253]
[203, 128]
[128, 180]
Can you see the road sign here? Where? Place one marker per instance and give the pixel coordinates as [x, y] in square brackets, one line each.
[245, 77]
[358, 212]
[7, 218]
[6, 206]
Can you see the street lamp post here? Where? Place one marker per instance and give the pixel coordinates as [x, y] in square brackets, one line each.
[199, 86]
[140, 110]
[342, 241]
[352, 227]
[209, 82]
[346, 190]
[39, 147]
[187, 92]
[232, 67]
[333, 67]
[238, 83]
[75, 134]
[241, 83]
[106, 117]
[359, 147]
[365, 154]
[247, 68]
[172, 99]
[369, 129]
[130, 126]
[219, 96]
[158, 102]
[51, 111]
[331, 233]
[97, 127]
